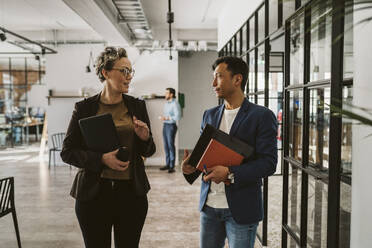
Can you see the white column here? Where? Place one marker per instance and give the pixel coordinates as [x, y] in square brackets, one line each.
[361, 215]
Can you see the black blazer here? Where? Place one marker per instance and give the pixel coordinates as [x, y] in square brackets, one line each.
[75, 152]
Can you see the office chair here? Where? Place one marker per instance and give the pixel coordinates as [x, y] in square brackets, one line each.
[7, 203]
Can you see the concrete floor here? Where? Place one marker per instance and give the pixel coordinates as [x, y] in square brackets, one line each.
[46, 211]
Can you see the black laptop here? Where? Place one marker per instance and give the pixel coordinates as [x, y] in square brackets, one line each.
[99, 133]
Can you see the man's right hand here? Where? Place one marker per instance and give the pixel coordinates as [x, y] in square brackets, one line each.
[186, 168]
[110, 160]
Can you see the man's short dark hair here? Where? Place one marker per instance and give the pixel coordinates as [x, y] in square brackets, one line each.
[172, 91]
[236, 66]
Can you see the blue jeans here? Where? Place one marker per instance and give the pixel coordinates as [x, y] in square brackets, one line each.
[169, 134]
[217, 223]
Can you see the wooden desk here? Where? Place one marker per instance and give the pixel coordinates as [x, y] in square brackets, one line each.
[26, 126]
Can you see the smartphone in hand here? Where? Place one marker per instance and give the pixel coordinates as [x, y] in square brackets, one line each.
[123, 154]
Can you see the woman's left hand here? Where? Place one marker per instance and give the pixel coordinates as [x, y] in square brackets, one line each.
[141, 129]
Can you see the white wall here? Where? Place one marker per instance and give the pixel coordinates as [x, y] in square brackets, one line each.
[36, 97]
[232, 17]
[154, 73]
[65, 75]
[195, 81]
[361, 215]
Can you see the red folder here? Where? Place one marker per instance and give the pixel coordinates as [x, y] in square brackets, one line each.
[218, 154]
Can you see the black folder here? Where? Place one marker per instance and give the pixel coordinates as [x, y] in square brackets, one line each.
[231, 142]
[99, 133]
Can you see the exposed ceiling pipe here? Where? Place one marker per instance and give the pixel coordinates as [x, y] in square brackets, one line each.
[44, 49]
[68, 42]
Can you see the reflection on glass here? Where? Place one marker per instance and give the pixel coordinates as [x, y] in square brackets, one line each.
[246, 59]
[317, 213]
[261, 68]
[288, 8]
[4, 64]
[33, 71]
[320, 49]
[295, 124]
[273, 15]
[20, 96]
[297, 50]
[233, 47]
[294, 199]
[18, 80]
[276, 79]
[276, 105]
[261, 23]
[5, 100]
[230, 48]
[345, 215]
[346, 133]
[251, 79]
[252, 41]
[261, 100]
[348, 40]
[292, 243]
[319, 127]
[244, 38]
[238, 49]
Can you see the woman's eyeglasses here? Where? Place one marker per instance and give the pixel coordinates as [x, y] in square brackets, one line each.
[125, 71]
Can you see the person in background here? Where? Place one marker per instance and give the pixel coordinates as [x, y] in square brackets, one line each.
[171, 114]
[111, 194]
[230, 197]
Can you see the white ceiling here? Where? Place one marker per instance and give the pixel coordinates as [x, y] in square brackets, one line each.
[189, 16]
[31, 15]
[69, 19]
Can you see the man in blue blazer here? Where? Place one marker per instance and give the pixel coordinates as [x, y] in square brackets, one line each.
[231, 197]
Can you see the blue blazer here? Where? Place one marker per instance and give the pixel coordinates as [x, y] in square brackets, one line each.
[257, 126]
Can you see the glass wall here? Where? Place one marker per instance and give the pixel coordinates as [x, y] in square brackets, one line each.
[319, 127]
[289, 7]
[297, 33]
[320, 49]
[251, 23]
[295, 122]
[261, 68]
[348, 40]
[317, 213]
[273, 16]
[261, 23]
[17, 76]
[290, 72]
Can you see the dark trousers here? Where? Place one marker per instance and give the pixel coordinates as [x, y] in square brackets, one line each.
[116, 206]
[169, 134]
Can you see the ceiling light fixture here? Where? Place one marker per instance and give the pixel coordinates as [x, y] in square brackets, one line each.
[170, 20]
[202, 45]
[191, 45]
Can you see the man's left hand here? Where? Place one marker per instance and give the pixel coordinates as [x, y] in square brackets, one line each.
[217, 174]
[141, 129]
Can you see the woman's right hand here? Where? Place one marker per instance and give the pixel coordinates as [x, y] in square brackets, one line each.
[110, 160]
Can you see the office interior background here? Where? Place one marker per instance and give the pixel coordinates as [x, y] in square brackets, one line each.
[307, 60]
